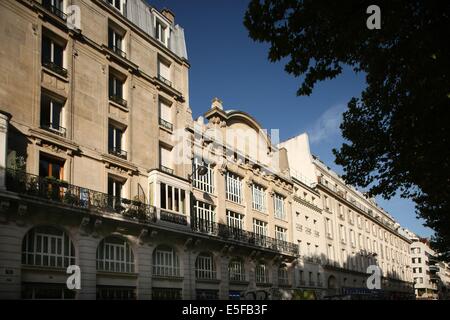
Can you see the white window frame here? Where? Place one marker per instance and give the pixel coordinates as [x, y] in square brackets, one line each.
[235, 220]
[278, 203]
[280, 233]
[205, 267]
[206, 182]
[233, 184]
[236, 270]
[166, 262]
[260, 228]
[181, 205]
[261, 273]
[258, 198]
[115, 257]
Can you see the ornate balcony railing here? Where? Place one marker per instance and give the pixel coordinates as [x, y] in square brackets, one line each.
[55, 68]
[172, 217]
[118, 51]
[119, 100]
[118, 152]
[61, 192]
[54, 128]
[57, 12]
[246, 237]
[165, 124]
[166, 81]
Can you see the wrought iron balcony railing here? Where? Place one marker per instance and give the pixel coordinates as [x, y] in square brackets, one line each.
[61, 192]
[246, 237]
[119, 100]
[118, 51]
[172, 217]
[166, 81]
[165, 124]
[56, 11]
[118, 152]
[55, 68]
[54, 128]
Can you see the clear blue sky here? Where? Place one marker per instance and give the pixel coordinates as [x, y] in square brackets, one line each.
[226, 63]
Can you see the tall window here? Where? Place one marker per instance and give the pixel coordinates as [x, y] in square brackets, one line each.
[114, 254]
[115, 41]
[261, 273]
[115, 141]
[235, 220]
[161, 32]
[328, 228]
[259, 227]
[283, 277]
[280, 233]
[116, 4]
[173, 198]
[56, 7]
[47, 247]
[342, 234]
[115, 187]
[165, 262]
[51, 167]
[259, 198]
[204, 217]
[116, 89]
[164, 72]
[165, 160]
[205, 182]
[205, 267]
[165, 115]
[53, 55]
[236, 270]
[51, 115]
[278, 201]
[233, 187]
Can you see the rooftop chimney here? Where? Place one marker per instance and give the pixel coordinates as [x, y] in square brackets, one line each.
[216, 103]
[169, 15]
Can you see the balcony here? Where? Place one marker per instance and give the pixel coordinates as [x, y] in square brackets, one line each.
[165, 124]
[164, 80]
[166, 169]
[312, 284]
[118, 51]
[119, 100]
[62, 193]
[55, 68]
[242, 236]
[118, 152]
[57, 12]
[54, 129]
[173, 217]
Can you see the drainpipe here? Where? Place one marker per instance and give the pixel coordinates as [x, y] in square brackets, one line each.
[4, 122]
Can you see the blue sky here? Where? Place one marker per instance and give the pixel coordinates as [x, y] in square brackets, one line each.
[226, 63]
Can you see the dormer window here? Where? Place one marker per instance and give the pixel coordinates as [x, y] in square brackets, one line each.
[118, 4]
[161, 32]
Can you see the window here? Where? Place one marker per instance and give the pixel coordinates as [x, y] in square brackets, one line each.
[278, 201]
[51, 167]
[115, 186]
[326, 203]
[53, 55]
[161, 32]
[233, 187]
[165, 160]
[165, 262]
[204, 217]
[236, 271]
[51, 115]
[342, 233]
[204, 267]
[172, 198]
[235, 220]
[259, 198]
[116, 293]
[328, 228]
[206, 182]
[115, 141]
[261, 273]
[165, 115]
[47, 247]
[166, 294]
[283, 277]
[206, 294]
[117, 4]
[352, 238]
[164, 72]
[259, 227]
[114, 254]
[116, 85]
[115, 41]
[280, 233]
[47, 291]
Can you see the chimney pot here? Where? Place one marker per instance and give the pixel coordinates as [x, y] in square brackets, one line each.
[169, 15]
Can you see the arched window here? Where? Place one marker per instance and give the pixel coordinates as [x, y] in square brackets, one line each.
[47, 246]
[261, 273]
[114, 254]
[205, 267]
[236, 270]
[283, 278]
[165, 262]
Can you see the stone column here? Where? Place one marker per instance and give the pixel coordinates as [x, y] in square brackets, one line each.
[87, 252]
[188, 275]
[4, 121]
[10, 264]
[144, 283]
[224, 277]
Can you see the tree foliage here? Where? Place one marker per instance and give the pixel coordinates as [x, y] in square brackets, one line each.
[397, 132]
